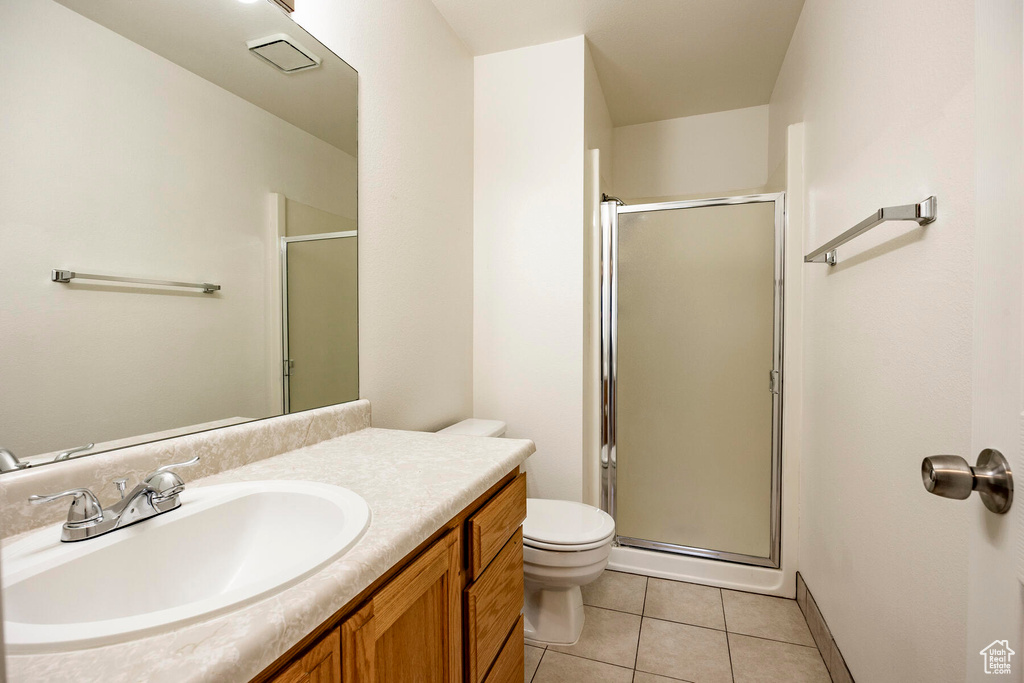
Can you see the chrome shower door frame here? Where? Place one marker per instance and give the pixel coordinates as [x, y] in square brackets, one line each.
[610, 212]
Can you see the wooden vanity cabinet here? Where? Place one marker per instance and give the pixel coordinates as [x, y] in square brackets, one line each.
[410, 630]
[321, 664]
[450, 612]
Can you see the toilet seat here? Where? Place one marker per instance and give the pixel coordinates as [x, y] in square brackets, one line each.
[565, 525]
[567, 547]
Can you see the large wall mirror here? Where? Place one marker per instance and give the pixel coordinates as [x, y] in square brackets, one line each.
[178, 216]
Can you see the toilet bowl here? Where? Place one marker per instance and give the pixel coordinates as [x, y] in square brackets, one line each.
[565, 546]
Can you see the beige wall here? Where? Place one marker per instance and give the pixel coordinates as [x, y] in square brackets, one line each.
[111, 171]
[889, 329]
[528, 255]
[303, 219]
[719, 153]
[415, 205]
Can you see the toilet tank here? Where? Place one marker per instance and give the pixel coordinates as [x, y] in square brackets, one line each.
[475, 427]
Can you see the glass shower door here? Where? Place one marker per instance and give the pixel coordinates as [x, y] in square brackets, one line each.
[321, 334]
[695, 351]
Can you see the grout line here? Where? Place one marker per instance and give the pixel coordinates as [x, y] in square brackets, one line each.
[640, 633]
[720, 630]
[539, 662]
[609, 609]
[589, 659]
[725, 619]
[774, 640]
[612, 609]
[669, 678]
[822, 657]
[745, 592]
[728, 645]
[686, 623]
[627, 573]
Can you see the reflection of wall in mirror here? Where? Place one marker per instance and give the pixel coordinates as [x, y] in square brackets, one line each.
[118, 161]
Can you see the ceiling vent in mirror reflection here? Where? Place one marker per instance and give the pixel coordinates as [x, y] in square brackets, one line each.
[282, 51]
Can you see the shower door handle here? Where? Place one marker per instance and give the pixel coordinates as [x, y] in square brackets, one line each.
[773, 381]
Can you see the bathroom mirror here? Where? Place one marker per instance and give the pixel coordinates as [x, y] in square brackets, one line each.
[178, 224]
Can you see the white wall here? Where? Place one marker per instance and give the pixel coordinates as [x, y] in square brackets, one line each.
[528, 255]
[710, 153]
[119, 161]
[597, 124]
[415, 205]
[887, 331]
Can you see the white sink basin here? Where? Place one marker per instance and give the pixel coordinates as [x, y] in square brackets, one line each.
[226, 547]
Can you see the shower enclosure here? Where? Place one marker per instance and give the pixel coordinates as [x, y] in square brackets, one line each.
[320, 318]
[691, 306]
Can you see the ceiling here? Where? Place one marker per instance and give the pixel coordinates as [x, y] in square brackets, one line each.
[208, 37]
[657, 59]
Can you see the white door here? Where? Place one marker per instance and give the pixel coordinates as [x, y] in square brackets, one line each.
[994, 594]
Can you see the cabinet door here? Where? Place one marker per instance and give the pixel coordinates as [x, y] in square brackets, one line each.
[410, 630]
[321, 664]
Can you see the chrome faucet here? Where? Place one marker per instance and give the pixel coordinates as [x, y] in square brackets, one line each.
[155, 495]
[9, 462]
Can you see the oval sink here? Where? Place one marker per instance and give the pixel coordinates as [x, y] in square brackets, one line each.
[226, 547]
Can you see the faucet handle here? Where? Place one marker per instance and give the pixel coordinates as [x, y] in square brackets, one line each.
[64, 455]
[121, 485]
[85, 508]
[173, 466]
[166, 483]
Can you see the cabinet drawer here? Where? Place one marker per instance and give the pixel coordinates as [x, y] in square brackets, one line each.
[493, 524]
[508, 667]
[493, 604]
[321, 664]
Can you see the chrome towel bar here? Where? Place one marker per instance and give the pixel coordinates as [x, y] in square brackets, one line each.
[922, 214]
[59, 275]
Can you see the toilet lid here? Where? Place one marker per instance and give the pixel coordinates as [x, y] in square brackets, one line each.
[565, 522]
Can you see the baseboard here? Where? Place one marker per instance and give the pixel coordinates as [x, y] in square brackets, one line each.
[837, 668]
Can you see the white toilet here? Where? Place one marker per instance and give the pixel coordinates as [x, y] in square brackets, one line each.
[565, 546]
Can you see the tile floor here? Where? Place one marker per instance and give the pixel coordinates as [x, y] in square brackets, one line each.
[641, 630]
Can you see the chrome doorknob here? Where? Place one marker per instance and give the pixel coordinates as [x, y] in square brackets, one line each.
[951, 477]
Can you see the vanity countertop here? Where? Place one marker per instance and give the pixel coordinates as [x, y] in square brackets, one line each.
[414, 483]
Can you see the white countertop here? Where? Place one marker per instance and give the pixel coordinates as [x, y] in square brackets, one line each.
[414, 482]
